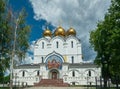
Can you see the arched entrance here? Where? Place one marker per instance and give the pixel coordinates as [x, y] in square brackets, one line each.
[54, 74]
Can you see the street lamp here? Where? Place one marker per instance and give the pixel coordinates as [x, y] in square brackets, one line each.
[15, 79]
[87, 81]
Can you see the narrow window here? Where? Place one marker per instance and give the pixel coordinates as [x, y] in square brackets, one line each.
[89, 73]
[72, 59]
[38, 73]
[73, 73]
[23, 74]
[42, 45]
[57, 44]
[71, 44]
[42, 60]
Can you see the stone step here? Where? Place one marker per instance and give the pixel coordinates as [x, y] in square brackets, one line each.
[51, 82]
[56, 88]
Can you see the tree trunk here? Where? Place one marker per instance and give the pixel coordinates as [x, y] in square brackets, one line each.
[105, 82]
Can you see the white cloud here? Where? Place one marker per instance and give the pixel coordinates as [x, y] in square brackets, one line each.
[80, 14]
[29, 55]
[28, 59]
[31, 49]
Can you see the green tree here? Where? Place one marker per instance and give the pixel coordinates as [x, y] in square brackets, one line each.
[4, 40]
[106, 39]
[13, 29]
[22, 35]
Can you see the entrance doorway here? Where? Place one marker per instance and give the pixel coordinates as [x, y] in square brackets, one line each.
[54, 74]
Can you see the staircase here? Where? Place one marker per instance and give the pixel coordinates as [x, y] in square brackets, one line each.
[51, 83]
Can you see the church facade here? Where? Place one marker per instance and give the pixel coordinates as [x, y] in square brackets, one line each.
[57, 55]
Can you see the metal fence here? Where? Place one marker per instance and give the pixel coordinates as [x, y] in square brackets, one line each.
[16, 85]
[111, 83]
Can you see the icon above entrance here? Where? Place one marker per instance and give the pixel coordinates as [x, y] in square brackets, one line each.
[54, 61]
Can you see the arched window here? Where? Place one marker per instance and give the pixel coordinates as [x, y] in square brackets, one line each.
[73, 73]
[23, 74]
[42, 45]
[72, 59]
[38, 73]
[42, 60]
[57, 44]
[71, 44]
[89, 73]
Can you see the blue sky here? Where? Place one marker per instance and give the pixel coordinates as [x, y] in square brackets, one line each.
[82, 15]
[36, 30]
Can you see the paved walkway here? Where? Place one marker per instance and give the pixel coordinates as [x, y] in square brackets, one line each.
[56, 88]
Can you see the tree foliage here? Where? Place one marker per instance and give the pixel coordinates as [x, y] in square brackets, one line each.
[3, 40]
[22, 35]
[106, 39]
[13, 29]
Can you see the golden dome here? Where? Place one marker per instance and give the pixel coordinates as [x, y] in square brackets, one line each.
[47, 32]
[59, 31]
[71, 31]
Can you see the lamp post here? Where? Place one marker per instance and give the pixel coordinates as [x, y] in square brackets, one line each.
[12, 56]
[15, 79]
[87, 82]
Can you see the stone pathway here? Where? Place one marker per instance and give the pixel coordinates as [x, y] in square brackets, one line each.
[56, 88]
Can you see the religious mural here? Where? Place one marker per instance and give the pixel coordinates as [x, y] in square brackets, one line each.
[54, 61]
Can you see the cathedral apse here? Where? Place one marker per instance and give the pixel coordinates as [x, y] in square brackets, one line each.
[54, 62]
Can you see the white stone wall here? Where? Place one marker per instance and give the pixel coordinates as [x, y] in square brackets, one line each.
[64, 48]
[82, 76]
[30, 76]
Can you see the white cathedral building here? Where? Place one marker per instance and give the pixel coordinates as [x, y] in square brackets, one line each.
[57, 56]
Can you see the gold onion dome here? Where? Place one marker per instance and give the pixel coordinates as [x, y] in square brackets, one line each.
[47, 32]
[71, 31]
[59, 31]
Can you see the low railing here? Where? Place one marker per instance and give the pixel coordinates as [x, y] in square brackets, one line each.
[80, 80]
[26, 80]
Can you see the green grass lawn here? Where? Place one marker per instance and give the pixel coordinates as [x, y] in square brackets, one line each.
[8, 88]
[4, 88]
[100, 88]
